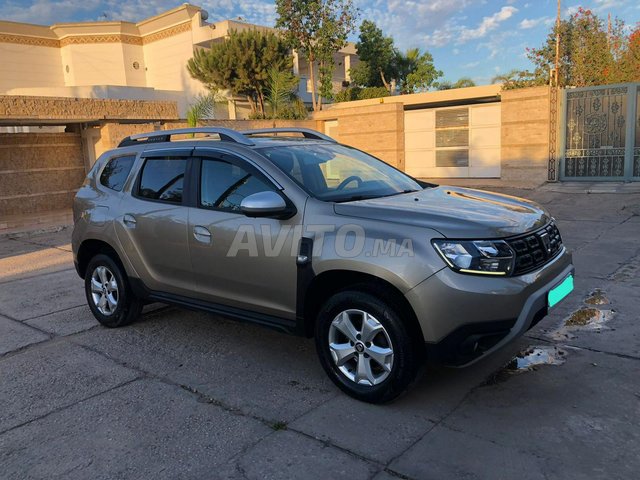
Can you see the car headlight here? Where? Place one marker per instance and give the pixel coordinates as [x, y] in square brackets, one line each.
[488, 257]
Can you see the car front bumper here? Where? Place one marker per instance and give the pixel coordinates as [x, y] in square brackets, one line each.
[466, 317]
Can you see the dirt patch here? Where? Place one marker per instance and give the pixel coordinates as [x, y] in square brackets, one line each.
[582, 317]
[585, 318]
[597, 297]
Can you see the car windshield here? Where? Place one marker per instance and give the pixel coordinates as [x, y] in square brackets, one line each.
[337, 173]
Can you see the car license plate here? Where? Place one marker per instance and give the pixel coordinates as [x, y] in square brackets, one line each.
[556, 294]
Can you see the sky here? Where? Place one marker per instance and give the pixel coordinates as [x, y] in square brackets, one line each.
[472, 38]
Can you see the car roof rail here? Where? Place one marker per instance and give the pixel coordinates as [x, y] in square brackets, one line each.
[158, 136]
[306, 133]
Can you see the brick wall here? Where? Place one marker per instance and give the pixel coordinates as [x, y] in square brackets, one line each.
[39, 171]
[525, 136]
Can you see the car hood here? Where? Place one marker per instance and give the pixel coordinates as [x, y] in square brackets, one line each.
[454, 212]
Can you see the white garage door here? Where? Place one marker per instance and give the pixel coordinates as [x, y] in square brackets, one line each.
[451, 142]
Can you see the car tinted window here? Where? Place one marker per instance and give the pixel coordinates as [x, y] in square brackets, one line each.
[224, 185]
[116, 171]
[338, 173]
[162, 179]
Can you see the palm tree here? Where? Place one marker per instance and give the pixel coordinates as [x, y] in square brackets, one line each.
[281, 95]
[444, 85]
[203, 108]
[506, 77]
[464, 82]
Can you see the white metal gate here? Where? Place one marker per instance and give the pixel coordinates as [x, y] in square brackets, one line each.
[461, 141]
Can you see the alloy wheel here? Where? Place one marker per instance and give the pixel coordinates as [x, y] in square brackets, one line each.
[104, 290]
[360, 347]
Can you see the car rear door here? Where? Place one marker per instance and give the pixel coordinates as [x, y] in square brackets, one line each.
[152, 227]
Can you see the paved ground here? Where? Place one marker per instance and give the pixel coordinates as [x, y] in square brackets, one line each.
[188, 395]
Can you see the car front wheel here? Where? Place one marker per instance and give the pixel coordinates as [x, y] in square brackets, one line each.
[365, 347]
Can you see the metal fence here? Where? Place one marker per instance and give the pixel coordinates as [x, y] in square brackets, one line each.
[600, 133]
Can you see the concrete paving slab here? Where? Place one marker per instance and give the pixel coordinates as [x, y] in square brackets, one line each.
[289, 455]
[45, 377]
[78, 319]
[11, 248]
[444, 453]
[601, 261]
[263, 373]
[619, 335]
[346, 422]
[145, 429]
[60, 238]
[383, 475]
[40, 261]
[14, 335]
[41, 295]
[608, 208]
[582, 417]
[398, 425]
[67, 322]
[577, 234]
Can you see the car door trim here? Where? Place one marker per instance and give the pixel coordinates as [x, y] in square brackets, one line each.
[271, 321]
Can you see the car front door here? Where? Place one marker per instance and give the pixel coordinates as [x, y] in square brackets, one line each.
[241, 262]
[152, 227]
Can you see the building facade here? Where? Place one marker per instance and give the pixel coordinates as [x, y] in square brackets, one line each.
[122, 60]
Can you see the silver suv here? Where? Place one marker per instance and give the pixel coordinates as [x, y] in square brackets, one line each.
[291, 230]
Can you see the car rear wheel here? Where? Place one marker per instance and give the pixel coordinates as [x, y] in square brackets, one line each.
[108, 293]
[365, 347]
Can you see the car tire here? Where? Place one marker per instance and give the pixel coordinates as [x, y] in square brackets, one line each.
[377, 359]
[108, 293]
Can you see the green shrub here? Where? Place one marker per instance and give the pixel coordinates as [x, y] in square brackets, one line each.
[358, 93]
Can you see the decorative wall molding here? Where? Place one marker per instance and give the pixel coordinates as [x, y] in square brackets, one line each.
[92, 39]
[167, 32]
[28, 40]
[96, 39]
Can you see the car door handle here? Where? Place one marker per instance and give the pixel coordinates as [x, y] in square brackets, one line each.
[129, 220]
[201, 234]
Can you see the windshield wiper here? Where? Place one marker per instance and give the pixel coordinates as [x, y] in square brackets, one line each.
[355, 198]
[410, 190]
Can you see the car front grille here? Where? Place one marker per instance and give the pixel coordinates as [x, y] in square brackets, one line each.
[533, 250]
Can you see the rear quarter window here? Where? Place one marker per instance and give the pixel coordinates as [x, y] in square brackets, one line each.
[162, 179]
[116, 171]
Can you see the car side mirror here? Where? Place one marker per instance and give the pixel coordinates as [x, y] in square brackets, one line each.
[265, 204]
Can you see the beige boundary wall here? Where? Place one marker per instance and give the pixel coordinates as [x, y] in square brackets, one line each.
[112, 133]
[377, 129]
[39, 172]
[377, 126]
[525, 136]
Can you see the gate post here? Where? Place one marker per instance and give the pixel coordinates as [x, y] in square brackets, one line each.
[554, 164]
[632, 106]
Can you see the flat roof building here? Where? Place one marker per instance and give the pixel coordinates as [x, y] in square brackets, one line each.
[123, 60]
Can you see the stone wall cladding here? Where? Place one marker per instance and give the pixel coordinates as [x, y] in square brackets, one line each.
[377, 129]
[21, 107]
[39, 171]
[525, 136]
